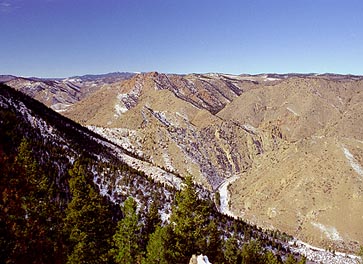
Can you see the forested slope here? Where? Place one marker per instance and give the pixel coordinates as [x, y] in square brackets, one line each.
[53, 210]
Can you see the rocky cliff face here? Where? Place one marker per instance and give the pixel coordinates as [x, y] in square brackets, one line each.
[294, 142]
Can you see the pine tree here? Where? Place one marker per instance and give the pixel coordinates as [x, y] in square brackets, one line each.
[14, 191]
[127, 237]
[152, 219]
[270, 258]
[214, 243]
[252, 253]
[170, 248]
[302, 260]
[232, 251]
[290, 259]
[189, 220]
[217, 199]
[29, 214]
[156, 247]
[360, 254]
[88, 220]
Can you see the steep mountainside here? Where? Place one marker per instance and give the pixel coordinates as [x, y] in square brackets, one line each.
[57, 142]
[286, 137]
[208, 91]
[168, 120]
[60, 183]
[48, 163]
[289, 145]
[317, 162]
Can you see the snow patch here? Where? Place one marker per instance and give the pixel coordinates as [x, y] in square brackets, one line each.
[2, 103]
[353, 162]
[120, 107]
[340, 100]
[60, 107]
[249, 128]
[330, 231]
[149, 169]
[121, 137]
[224, 196]
[292, 111]
[161, 116]
[72, 80]
[165, 216]
[168, 162]
[153, 172]
[319, 255]
[270, 79]
[185, 117]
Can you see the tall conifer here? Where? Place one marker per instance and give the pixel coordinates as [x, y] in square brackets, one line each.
[88, 219]
[126, 240]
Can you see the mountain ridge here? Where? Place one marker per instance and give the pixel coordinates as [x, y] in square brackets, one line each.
[59, 145]
[215, 126]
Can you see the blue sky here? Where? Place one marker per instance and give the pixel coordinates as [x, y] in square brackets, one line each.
[59, 38]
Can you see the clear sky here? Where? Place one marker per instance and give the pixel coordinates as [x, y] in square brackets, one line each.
[60, 38]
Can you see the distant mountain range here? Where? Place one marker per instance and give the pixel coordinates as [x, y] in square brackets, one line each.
[293, 142]
[60, 93]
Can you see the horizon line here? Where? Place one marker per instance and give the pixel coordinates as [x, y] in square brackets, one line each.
[189, 73]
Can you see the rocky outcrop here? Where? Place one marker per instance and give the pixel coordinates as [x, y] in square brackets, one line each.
[193, 260]
[200, 259]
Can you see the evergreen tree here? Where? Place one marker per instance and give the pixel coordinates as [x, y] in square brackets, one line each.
[156, 247]
[88, 220]
[232, 251]
[14, 194]
[127, 237]
[270, 258]
[29, 216]
[170, 248]
[290, 259]
[360, 254]
[217, 199]
[152, 218]
[214, 243]
[302, 260]
[252, 253]
[189, 220]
